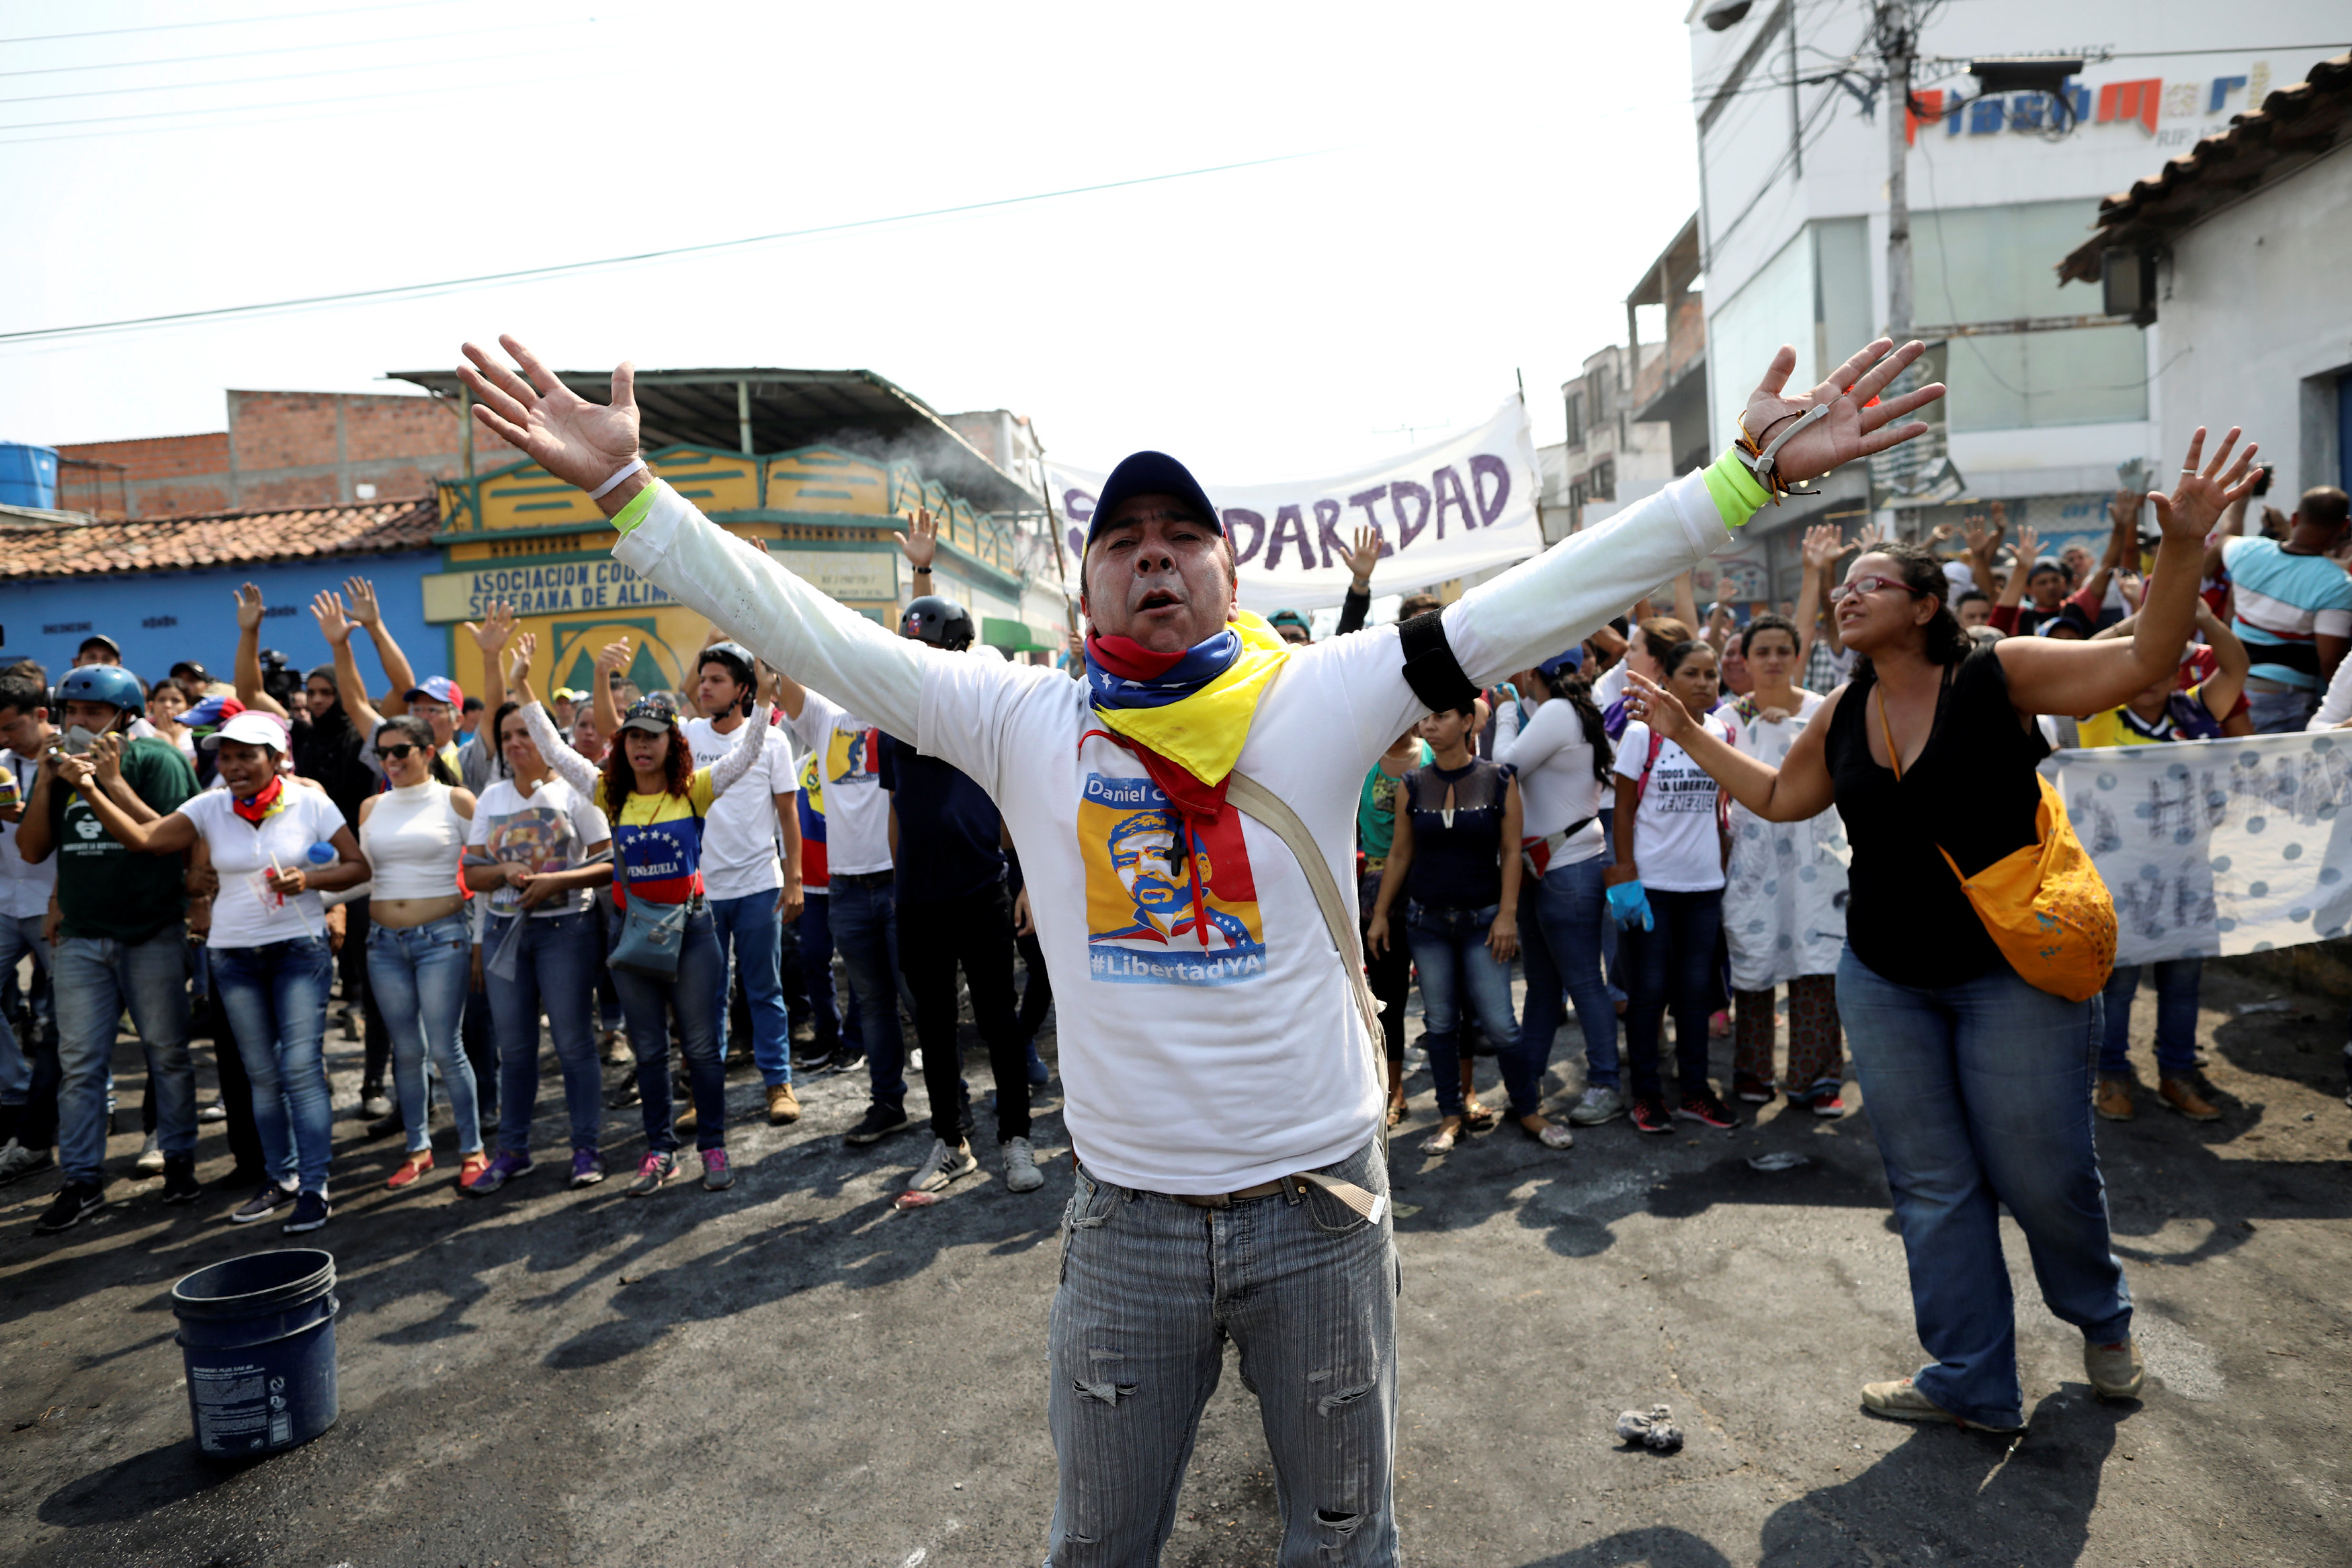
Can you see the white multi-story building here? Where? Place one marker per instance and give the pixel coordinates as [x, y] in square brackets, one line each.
[2049, 395]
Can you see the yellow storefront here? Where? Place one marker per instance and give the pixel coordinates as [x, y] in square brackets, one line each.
[827, 511]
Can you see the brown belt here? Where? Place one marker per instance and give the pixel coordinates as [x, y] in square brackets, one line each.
[1370, 1206]
[1227, 1199]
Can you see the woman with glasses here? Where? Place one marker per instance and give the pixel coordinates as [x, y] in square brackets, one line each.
[656, 800]
[1978, 1082]
[419, 951]
[539, 848]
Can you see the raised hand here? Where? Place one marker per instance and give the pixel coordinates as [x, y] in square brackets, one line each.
[1365, 556]
[922, 541]
[577, 441]
[2196, 502]
[2029, 545]
[496, 628]
[519, 662]
[248, 608]
[1653, 704]
[2123, 510]
[334, 624]
[1823, 546]
[364, 609]
[106, 758]
[1850, 430]
[612, 656]
[1944, 533]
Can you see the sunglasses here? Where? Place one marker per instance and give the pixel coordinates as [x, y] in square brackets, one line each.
[1852, 586]
[396, 753]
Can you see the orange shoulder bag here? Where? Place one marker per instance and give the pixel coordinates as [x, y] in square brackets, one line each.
[2045, 906]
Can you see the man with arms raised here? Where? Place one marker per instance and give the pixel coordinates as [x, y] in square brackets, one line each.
[1223, 1085]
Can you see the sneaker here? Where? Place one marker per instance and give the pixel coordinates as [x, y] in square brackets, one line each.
[1829, 1102]
[1551, 1134]
[311, 1211]
[2180, 1093]
[73, 1200]
[1598, 1104]
[944, 1165]
[879, 1123]
[1021, 1171]
[622, 1094]
[651, 1171]
[783, 1105]
[1650, 1114]
[617, 1049]
[2115, 1370]
[150, 1157]
[587, 1168]
[1705, 1105]
[213, 1111]
[266, 1201]
[1038, 1072]
[846, 1058]
[1749, 1091]
[411, 1168]
[1902, 1401]
[718, 1176]
[17, 1162]
[2113, 1098]
[373, 1105]
[180, 1183]
[504, 1166]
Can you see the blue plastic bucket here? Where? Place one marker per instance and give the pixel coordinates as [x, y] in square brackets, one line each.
[258, 1337]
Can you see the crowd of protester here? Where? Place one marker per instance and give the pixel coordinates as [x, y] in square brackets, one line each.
[645, 882]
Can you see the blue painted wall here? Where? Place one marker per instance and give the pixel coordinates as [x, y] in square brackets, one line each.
[162, 617]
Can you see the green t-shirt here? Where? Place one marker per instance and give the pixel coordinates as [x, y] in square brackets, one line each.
[1376, 806]
[104, 889]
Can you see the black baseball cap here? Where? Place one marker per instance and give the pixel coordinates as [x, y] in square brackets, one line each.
[1151, 474]
[653, 714]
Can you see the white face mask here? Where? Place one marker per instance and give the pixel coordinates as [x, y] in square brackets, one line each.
[78, 740]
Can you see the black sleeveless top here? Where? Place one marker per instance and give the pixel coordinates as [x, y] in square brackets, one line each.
[1972, 791]
[1456, 864]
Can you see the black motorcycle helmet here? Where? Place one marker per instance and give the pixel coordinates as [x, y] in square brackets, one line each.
[939, 620]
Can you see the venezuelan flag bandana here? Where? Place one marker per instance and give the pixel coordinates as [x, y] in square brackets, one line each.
[267, 804]
[1187, 714]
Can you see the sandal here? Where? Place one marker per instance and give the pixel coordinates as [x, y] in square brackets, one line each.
[1479, 1118]
[1551, 1135]
[1441, 1142]
[414, 1166]
[471, 1166]
[1396, 1113]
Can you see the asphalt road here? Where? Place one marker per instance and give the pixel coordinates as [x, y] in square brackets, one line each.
[795, 1372]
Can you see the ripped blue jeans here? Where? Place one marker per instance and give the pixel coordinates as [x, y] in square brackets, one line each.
[1151, 1289]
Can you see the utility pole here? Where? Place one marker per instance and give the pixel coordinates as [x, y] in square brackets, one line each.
[1896, 42]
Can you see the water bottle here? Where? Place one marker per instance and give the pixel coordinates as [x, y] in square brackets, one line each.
[321, 853]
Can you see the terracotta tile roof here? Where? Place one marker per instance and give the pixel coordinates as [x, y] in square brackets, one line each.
[2295, 125]
[91, 548]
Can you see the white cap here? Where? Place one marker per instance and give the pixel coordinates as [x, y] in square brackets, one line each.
[252, 727]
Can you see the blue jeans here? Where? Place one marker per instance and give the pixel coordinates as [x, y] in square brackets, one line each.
[1673, 963]
[419, 976]
[865, 921]
[1562, 918]
[1151, 1289]
[95, 978]
[2280, 712]
[1449, 948]
[814, 931]
[2177, 981]
[697, 994]
[757, 930]
[1979, 1094]
[555, 968]
[275, 998]
[18, 936]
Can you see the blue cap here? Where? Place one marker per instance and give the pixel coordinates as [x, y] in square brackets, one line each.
[1571, 660]
[1151, 474]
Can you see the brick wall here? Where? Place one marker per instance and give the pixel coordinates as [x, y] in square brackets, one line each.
[294, 449]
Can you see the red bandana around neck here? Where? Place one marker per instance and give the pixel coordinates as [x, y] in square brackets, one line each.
[254, 810]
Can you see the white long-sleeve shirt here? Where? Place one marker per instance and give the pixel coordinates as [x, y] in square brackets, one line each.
[1194, 1061]
[1556, 788]
[2337, 706]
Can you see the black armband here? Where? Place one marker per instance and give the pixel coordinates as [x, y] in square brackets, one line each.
[1430, 666]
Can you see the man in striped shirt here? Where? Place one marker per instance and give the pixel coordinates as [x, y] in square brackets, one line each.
[2293, 609]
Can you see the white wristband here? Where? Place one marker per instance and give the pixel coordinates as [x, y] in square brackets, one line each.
[604, 489]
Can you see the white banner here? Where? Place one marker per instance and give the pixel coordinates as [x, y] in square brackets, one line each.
[2217, 847]
[1449, 509]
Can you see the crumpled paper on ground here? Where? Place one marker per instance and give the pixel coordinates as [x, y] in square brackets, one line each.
[1655, 1431]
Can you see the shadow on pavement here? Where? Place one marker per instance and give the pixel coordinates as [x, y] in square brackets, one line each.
[133, 1488]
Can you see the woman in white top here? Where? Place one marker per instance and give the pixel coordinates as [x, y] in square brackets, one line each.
[1784, 897]
[1561, 753]
[538, 850]
[165, 703]
[270, 958]
[419, 952]
[1666, 893]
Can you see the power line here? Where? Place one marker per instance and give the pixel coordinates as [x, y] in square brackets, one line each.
[250, 54]
[283, 76]
[446, 285]
[229, 21]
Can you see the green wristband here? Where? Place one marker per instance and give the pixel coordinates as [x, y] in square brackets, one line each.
[630, 516]
[1736, 492]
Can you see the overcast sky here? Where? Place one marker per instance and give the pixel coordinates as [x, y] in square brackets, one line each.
[1481, 187]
